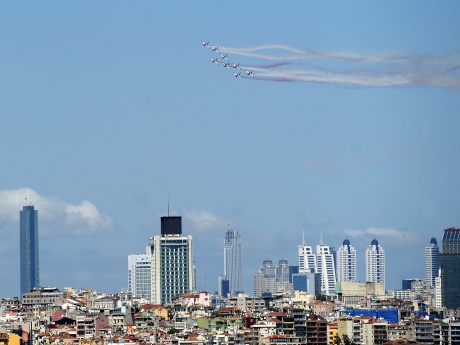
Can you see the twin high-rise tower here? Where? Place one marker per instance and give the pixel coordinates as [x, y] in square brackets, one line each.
[28, 247]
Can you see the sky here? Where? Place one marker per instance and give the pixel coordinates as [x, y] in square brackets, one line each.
[110, 111]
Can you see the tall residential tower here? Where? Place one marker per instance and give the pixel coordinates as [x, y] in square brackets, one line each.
[28, 246]
[346, 268]
[375, 263]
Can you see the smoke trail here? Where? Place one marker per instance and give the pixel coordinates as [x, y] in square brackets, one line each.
[343, 68]
[300, 54]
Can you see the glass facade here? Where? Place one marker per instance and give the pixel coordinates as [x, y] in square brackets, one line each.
[29, 267]
[232, 260]
[449, 261]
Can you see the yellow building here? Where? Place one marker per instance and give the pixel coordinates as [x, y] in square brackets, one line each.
[9, 339]
[332, 331]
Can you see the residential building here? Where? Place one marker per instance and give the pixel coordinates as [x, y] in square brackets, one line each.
[28, 248]
[41, 297]
[431, 263]
[375, 263]
[171, 262]
[346, 267]
[374, 332]
[140, 274]
[232, 260]
[449, 261]
[450, 332]
[316, 330]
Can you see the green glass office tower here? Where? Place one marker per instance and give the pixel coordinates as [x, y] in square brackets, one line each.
[28, 246]
[449, 261]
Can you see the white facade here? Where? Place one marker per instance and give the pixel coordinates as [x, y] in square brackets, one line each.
[326, 267]
[140, 274]
[232, 260]
[346, 265]
[307, 259]
[438, 290]
[172, 267]
[431, 263]
[375, 263]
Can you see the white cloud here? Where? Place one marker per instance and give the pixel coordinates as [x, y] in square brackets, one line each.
[390, 233]
[206, 221]
[54, 215]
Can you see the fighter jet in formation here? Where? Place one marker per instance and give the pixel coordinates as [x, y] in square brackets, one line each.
[225, 62]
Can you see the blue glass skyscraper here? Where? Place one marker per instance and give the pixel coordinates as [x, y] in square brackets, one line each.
[29, 269]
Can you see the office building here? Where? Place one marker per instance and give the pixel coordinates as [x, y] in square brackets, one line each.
[307, 282]
[307, 259]
[449, 262]
[29, 268]
[140, 274]
[326, 268]
[431, 263]
[232, 260]
[346, 268]
[223, 287]
[171, 262]
[375, 263]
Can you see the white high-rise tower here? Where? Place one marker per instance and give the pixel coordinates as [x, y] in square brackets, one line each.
[140, 274]
[431, 263]
[375, 263]
[307, 259]
[326, 267]
[346, 267]
[232, 260]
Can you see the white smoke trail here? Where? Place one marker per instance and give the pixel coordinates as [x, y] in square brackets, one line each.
[381, 70]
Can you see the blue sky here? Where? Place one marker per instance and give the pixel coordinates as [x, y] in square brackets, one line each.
[110, 109]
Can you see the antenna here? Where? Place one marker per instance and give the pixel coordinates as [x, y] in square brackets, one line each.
[303, 238]
[321, 239]
[168, 205]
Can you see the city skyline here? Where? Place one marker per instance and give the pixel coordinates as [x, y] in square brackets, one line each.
[110, 110]
[304, 254]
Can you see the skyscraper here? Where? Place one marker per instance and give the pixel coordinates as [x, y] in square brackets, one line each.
[375, 263]
[431, 263]
[449, 262]
[171, 262]
[307, 259]
[28, 238]
[140, 274]
[232, 260]
[346, 270]
[326, 267]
